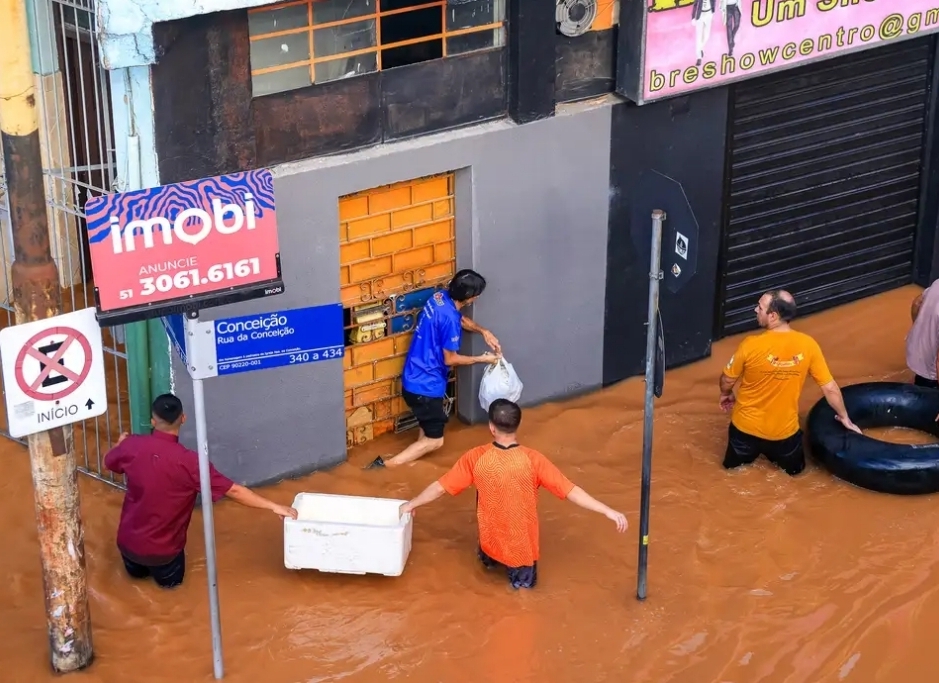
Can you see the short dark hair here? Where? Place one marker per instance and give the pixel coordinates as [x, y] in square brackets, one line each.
[167, 408]
[784, 307]
[466, 284]
[505, 415]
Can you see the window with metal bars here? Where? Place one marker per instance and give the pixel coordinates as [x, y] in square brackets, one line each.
[296, 44]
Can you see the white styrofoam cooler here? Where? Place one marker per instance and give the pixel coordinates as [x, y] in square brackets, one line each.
[347, 535]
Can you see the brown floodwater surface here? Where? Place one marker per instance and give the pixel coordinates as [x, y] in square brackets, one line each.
[901, 435]
[755, 577]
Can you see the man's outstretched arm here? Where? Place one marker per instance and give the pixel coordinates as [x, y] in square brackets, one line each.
[583, 499]
[458, 479]
[248, 498]
[428, 495]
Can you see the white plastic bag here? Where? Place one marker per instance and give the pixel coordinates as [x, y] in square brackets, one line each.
[499, 381]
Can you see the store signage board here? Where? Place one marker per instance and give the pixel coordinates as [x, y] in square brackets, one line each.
[53, 372]
[184, 247]
[261, 341]
[674, 47]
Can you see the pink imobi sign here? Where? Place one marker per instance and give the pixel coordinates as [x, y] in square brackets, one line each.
[696, 44]
[193, 244]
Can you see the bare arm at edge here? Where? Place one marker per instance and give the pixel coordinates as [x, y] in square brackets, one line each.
[248, 498]
[583, 499]
[428, 495]
[833, 395]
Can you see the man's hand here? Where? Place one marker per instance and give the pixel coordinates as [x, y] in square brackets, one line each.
[727, 401]
[284, 511]
[488, 358]
[123, 436]
[405, 509]
[619, 519]
[850, 426]
[491, 340]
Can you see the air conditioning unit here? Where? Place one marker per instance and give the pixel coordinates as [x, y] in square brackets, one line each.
[575, 17]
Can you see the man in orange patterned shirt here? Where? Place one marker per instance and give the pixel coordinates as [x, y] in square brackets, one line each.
[507, 478]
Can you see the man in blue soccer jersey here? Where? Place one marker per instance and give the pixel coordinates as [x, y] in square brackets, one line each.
[434, 350]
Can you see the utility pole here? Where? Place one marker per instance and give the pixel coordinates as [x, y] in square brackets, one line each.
[37, 295]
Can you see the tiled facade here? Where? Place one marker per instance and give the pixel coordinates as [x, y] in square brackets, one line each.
[393, 240]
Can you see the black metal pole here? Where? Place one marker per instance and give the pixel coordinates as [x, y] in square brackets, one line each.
[655, 274]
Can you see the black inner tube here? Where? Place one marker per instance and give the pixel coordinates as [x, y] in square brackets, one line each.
[870, 463]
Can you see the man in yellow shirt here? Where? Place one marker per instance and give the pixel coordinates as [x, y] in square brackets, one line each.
[771, 368]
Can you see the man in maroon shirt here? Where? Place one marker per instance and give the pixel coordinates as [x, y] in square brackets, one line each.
[162, 484]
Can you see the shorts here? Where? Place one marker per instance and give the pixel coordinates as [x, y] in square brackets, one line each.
[429, 412]
[923, 382]
[167, 575]
[742, 449]
[519, 577]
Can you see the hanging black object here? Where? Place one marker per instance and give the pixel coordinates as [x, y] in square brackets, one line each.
[659, 383]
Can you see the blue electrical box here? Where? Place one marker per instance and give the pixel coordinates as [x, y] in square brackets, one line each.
[406, 307]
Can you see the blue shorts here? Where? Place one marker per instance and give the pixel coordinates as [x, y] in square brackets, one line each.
[519, 577]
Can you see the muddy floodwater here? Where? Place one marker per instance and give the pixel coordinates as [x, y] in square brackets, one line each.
[754, 577]
[902, 435]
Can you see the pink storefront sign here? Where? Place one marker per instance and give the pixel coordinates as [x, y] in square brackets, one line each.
[690, 45]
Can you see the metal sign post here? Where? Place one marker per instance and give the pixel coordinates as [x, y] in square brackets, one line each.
[170, 251]
[208, 516]
[655, 275]
[233, 345]
[176, 249]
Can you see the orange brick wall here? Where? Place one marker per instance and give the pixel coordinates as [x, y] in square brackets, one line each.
[393, 239]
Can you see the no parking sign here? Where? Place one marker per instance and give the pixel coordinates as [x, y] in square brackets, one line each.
[53, 372]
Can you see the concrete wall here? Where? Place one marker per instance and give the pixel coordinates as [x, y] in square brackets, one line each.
[532, 215]
[125, 29]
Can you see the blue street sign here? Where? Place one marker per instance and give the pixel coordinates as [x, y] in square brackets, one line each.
[175, 328]
[272, 340]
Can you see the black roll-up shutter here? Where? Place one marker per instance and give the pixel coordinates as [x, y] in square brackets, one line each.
[825, 180]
